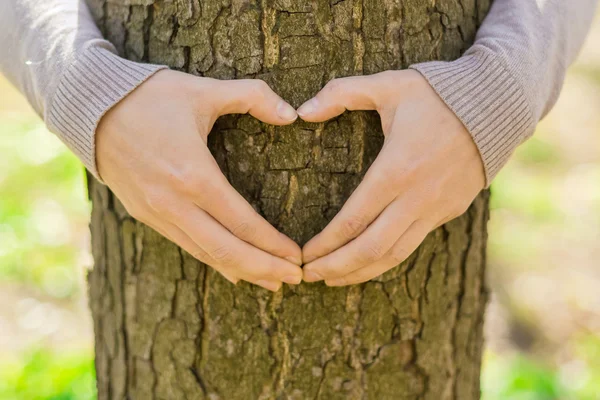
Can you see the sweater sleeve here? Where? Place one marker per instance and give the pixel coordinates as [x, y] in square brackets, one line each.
[54, 54]
[511, 77]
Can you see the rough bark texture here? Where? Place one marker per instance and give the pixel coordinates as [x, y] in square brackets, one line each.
[168, 327]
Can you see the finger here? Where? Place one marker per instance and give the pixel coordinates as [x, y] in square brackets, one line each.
[252, 96]
[364, 205]
[217, 197]
[177, 236]
[339, 95]
[366, 249]
[401, 250]
[230, 253]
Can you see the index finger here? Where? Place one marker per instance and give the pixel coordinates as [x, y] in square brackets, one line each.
[218, 198]
[369, 199]
[230, 253]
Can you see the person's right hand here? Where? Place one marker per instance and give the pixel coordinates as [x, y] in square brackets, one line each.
[151, 151]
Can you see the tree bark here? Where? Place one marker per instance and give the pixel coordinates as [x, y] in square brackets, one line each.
[169, 327]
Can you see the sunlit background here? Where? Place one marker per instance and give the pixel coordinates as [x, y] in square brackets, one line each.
[543, 323]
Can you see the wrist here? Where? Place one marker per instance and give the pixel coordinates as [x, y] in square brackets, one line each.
[96, 81]
[489, 102]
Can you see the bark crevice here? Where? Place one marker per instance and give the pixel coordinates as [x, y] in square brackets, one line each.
[169, 327]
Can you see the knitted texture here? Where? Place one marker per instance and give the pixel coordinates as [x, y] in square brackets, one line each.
[93, 84]
[499, 123]
[500, 88]
[511, 77]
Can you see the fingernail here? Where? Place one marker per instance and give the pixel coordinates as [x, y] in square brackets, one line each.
[294, 260]
[309, 107]
[272, 286]
[286, 112]
[310, 276]
[292, 279]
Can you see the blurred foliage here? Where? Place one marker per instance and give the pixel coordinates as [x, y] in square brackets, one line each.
[44, 375]
[545, 220]
[517, 377]
[44, 243]
[43, 208]
[42, 234]
[524, 186]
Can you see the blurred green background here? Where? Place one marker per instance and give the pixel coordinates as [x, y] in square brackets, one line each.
[543, 322]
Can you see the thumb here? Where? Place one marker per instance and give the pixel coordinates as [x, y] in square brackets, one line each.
[339, 95]
[252, 96]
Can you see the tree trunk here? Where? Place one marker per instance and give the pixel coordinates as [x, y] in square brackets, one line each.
[169, 327]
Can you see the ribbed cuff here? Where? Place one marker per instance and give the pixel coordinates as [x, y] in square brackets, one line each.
[92, 85]
[489, 102]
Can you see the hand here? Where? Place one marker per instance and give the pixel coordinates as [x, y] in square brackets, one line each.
[152, 153]
[427, 173]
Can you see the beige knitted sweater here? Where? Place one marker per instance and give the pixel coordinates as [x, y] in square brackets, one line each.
[501, 87]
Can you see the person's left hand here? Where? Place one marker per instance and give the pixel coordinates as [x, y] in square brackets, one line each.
[427, 173]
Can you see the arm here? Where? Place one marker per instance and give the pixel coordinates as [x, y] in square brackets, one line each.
[448, 129]
[511, 77]
[153, 155]
[54, 54]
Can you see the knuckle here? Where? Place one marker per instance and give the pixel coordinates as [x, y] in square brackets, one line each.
[371, 252]
[335, 86]
[259, 88]
[209, 186]
[387, 175]
[158, 202]
[271, 270]
[245, 231]
[399, 254]
[185, 179]
[223, 256]
[435, 194]
[273, 267]
[352, 227]
[200, 255]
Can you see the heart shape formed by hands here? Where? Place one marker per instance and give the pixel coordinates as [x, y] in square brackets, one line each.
[152, 152]
[428, 172]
